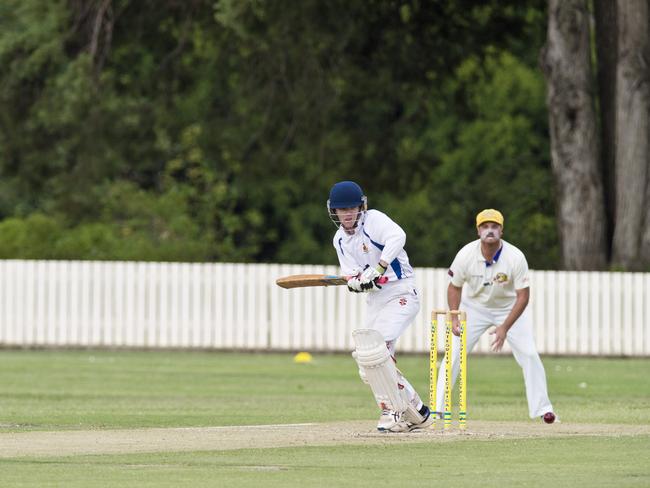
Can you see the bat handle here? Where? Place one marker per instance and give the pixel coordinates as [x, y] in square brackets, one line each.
[381, 280]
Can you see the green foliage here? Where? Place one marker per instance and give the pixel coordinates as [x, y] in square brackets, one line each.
[30, 238]
[499, 159]
[213, 130]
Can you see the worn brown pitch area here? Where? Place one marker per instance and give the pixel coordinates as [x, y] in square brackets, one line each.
[71, 443]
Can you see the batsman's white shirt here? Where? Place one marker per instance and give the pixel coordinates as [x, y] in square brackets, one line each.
[489, 293]
[394, 307]
[375, 238]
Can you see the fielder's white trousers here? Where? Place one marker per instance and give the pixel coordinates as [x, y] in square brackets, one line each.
[521, 340]
[391, 311]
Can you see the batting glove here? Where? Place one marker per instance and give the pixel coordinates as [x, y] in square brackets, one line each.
[370, 276]
[354, 285]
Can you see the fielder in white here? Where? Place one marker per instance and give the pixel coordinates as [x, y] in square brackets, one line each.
[370, 247]
[489, 280]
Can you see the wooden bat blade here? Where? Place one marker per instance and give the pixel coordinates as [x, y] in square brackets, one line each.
[304, 280]
[301, 281]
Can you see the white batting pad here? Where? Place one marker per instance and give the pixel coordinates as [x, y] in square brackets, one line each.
[379, 370]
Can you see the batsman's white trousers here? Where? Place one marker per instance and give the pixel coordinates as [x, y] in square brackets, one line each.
[390, 311]
[522, 342]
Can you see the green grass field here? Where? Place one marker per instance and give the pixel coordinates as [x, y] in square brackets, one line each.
[81, 390]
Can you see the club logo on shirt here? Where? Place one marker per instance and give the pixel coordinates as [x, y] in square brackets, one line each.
[364, 248]
[402, 301]
[450, 272]
[501, 278]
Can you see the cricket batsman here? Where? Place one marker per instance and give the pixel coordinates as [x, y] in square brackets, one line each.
[369, 246]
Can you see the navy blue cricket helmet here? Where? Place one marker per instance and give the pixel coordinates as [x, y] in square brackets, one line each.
[346, 194]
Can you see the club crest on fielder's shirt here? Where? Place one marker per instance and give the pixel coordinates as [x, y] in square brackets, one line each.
[364, 248]
[402, 301]
[501, 278]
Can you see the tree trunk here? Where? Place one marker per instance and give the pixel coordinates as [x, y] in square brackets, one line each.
[632, 131]
[606, 50]
[566, 61]
[645, 237]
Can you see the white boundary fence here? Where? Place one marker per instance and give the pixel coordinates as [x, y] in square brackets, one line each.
[238, 306]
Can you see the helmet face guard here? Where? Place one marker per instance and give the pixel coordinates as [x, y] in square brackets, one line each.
[346, 194]
[335, 218]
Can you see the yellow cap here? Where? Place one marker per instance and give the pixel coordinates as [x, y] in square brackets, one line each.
[489, 215]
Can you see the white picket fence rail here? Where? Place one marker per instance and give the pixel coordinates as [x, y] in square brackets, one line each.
[238, 306]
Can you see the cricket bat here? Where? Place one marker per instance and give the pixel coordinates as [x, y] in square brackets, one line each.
[303, 280]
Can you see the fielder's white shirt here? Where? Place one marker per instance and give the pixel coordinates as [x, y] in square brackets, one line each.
[375, 238]
[493, 285]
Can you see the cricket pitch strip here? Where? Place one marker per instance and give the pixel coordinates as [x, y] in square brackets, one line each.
[124, 441]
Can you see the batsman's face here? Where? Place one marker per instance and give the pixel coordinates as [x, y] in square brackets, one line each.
[347, 216]
[490, 232]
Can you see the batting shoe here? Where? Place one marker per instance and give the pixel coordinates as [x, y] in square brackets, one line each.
[406, 426]
[387, 420]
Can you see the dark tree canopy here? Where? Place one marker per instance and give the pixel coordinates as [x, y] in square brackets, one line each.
[213, 130]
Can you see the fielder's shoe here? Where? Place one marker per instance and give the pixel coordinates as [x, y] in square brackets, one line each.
[387, 420]
[406, 426]
[548, 418]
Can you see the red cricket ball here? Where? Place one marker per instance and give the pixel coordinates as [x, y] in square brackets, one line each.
[549, 417]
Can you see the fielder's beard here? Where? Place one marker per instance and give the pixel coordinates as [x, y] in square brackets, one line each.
[489, 233]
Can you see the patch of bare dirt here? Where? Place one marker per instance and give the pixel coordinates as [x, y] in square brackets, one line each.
[71, 443]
